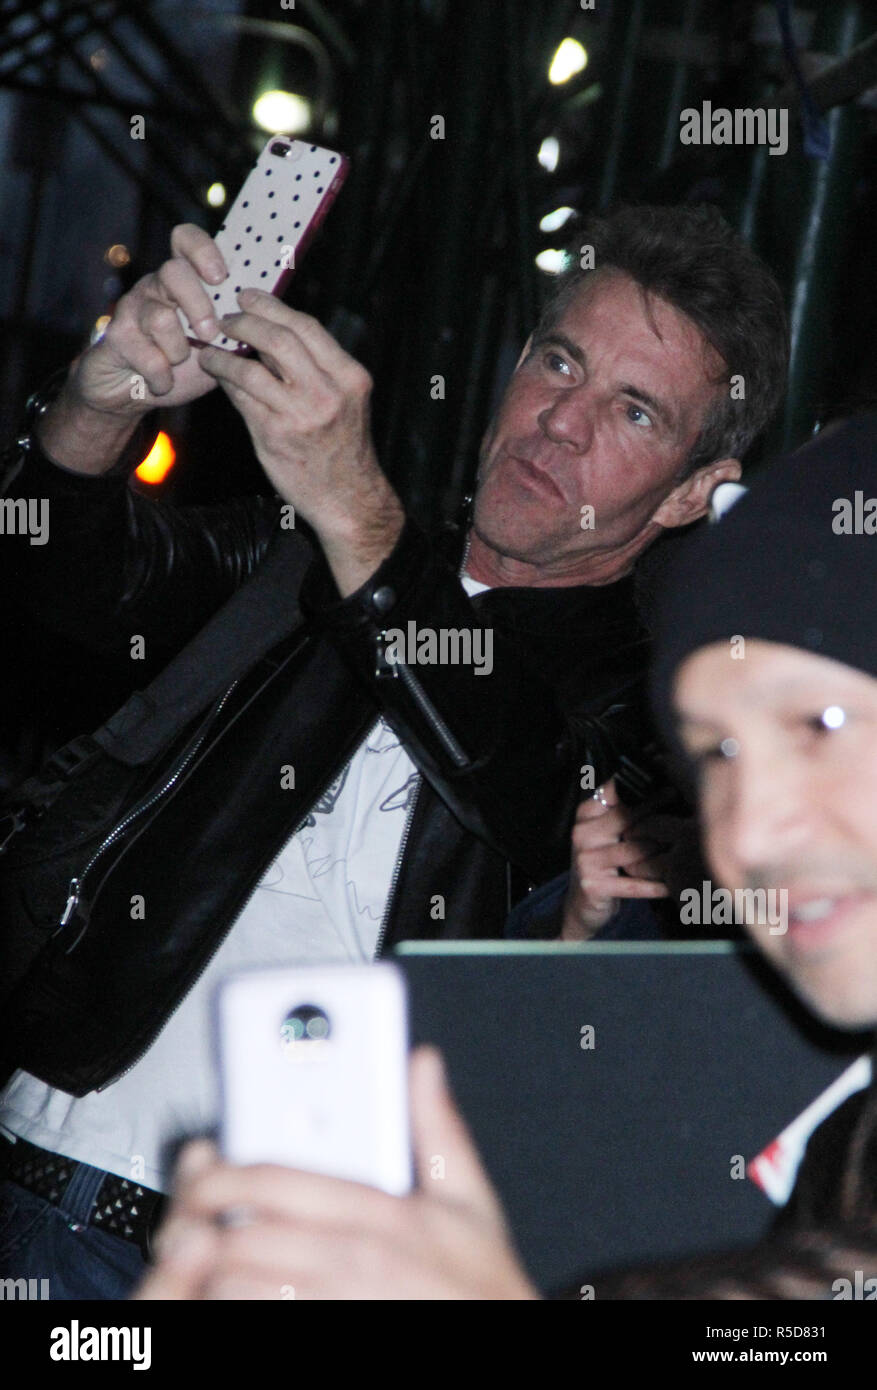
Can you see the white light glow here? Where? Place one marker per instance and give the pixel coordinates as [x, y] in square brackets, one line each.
[551, 261]
[216, 195]
[569, 59]
[553, 221]
[282, 113]
[549, 153]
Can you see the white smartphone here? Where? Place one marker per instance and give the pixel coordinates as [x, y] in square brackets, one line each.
[284, 199]
[314, 1071]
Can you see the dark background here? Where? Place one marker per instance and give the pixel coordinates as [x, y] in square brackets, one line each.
[427, 263]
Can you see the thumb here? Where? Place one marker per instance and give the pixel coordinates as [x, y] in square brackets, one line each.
[185, 1249]
[186, 1260]
[448, 1166]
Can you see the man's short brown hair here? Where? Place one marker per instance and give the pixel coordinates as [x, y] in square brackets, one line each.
[692, 258]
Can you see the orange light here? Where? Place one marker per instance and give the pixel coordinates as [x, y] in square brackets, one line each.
[158, 462]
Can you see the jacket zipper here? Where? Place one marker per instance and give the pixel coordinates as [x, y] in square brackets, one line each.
[454, 751]
[75, 898]
[431, 715]
[434, 719]
[258, 875]
[397, 868]
[74, 891]
[421, 699]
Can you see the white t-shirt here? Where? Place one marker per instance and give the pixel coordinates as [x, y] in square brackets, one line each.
[322, 900]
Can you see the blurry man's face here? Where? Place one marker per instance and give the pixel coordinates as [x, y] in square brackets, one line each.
[786, 747]
[603, 410]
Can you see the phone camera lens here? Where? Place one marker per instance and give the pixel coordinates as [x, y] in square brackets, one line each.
[304, 1024]
[278, 147]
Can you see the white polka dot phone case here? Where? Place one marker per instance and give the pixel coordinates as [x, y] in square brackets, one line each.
[282, 203]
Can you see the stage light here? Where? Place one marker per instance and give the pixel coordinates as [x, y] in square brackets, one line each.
[216, 195]
[553, 262]
[549, 153]
[282, 113]
[553, 221]
[158, 462]
[117, 256]
[569, 59]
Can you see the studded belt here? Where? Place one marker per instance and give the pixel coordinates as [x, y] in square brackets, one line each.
[122, 1207]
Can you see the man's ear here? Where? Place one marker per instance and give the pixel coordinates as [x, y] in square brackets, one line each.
[691, 498]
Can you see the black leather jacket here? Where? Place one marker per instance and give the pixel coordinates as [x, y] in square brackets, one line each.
[499, 755]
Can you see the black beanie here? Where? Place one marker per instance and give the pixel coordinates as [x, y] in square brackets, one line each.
[794, 561]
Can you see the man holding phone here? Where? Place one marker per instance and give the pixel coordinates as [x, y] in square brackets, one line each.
[334, 801]
[782, 746]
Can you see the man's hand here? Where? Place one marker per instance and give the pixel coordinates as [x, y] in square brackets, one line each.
[306, 405]
[145, 337]
[313, 1237]
[605, 839]
[143, 360]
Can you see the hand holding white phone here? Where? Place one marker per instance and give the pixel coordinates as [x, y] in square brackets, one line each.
[314, 1072]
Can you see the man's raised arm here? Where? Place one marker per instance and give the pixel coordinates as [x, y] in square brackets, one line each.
[115, 562]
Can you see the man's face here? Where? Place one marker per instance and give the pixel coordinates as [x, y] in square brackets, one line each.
[602, 410]
[786, 749]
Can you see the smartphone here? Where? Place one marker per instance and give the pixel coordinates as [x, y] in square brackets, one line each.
[282, 203]
[313, 1069]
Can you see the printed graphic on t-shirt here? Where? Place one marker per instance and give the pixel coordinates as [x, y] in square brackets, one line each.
[329, 864]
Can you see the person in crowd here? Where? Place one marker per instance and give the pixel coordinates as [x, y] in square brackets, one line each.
[765, 682]
[342, 786]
